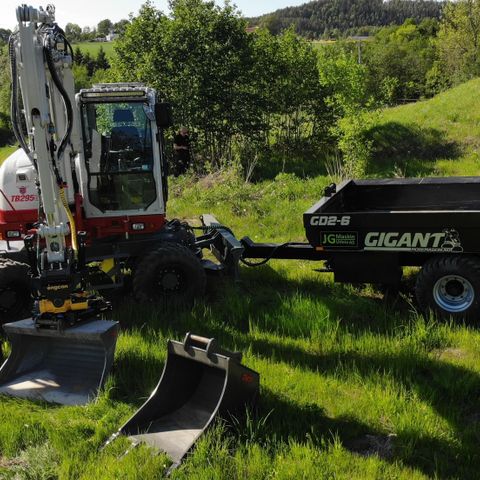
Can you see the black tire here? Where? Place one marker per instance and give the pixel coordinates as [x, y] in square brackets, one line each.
[171, 275]
[450, 286]
[15, 291]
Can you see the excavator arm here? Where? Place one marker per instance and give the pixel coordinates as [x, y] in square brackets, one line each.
[48, 131]
[64, 352]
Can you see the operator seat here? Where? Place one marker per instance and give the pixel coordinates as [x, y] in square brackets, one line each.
[124, 136]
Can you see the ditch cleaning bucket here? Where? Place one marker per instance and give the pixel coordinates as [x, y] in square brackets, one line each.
[66, 367]
[199, 381]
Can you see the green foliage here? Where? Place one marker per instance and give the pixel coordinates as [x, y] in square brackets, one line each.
[5, 133]
[285, 77]
[73, 32]
[354, 143]
[102, 62]
[88, 70]
[4, 87]
[82, 79]
[345, 87]
[222, 81]
[242, 95]
[459, 41]
[403, 55]
[4, 35]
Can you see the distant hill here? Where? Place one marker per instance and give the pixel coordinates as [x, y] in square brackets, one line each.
[325, 18]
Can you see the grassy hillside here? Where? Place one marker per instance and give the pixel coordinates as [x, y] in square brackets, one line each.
[354, 385]
[440, 136]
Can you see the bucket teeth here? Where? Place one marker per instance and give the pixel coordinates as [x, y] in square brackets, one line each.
[67, 367]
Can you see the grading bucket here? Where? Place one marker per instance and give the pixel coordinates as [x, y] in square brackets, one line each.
[66, 367]
[199, 381]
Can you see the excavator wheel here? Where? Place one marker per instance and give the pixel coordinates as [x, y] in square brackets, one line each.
[15, 291]
[171, 275]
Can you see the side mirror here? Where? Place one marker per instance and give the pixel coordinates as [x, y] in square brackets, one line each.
[164, 115]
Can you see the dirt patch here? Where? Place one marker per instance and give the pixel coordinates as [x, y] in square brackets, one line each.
[451, 353]
[14, 462]
[211, 180]
[382, 446]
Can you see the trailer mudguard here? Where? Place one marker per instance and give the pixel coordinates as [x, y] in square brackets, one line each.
[65, 367]
[199, 382]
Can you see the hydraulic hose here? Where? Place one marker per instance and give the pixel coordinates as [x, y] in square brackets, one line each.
[73, 227]
[65, 139]
[14, 99]
[65, 97]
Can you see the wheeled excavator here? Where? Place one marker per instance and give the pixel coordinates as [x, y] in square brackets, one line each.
[82, 211]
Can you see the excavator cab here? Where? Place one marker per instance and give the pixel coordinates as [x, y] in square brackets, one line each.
[123, 166]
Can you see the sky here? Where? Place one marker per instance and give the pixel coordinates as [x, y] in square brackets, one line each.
[90, 12]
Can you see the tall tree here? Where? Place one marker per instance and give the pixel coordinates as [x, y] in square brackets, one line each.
[78, 56]
[102, 62]
[120, 26]
[200, 58]
[73, 32]
[4, 35]
[104, 27]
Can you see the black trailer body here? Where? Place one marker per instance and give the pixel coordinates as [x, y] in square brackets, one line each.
[367, 230]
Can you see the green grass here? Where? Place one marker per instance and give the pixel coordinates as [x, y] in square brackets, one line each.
[6, 151]
[440, 136]
[353, 385]
[94, 47]
[342, 370]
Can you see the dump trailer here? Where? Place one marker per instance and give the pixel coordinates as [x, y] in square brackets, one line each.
[200, 381]
[366, 231]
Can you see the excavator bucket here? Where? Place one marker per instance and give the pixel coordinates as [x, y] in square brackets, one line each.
[199, 382]
[66, 367]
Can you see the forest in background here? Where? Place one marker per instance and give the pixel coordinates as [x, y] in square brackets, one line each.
[338, 18]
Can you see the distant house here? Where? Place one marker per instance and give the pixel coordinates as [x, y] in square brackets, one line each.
[252, 29]
[111, 36]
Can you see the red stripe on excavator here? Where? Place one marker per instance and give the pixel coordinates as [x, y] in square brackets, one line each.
[6, 198]
[96, 228]
[109, 226]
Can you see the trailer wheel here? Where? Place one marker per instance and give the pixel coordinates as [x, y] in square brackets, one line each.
[450, 286]
[15, 291]
[171, 275]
